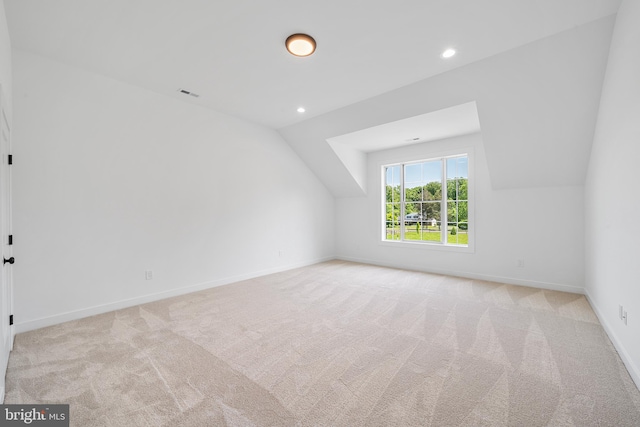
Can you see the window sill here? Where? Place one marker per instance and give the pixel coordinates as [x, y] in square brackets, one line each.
[428, 246]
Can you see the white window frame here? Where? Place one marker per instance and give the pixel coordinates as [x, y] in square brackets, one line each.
[422, 244]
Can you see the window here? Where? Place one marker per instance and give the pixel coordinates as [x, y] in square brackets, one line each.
[427, 201]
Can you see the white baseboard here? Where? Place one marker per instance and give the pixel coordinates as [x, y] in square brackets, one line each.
[476, 276]
[30, 325]
[632, 367]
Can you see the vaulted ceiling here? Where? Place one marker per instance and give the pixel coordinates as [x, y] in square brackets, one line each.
[537, 106]
[533, 67]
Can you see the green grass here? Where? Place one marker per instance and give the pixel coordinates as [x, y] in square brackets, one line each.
[458, 239]
[428, 235]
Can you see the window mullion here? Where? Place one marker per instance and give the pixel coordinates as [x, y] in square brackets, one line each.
[444, 218]
[402, 201]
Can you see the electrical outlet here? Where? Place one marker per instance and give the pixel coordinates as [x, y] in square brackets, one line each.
[622, 314]
[520, 263]
[280, 253]
[148, 275]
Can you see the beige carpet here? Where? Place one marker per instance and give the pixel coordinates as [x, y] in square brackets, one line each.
[334, 344]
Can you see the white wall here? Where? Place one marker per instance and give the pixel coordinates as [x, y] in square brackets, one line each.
[612, 203]
[112, 180]
[542, 226]
[5, 60]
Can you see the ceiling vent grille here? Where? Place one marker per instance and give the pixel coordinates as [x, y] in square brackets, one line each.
[187, 92]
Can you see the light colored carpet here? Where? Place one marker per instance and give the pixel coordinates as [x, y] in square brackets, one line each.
[334, 344]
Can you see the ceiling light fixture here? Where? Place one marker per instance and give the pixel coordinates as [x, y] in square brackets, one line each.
[301, 110]
[300, 44]
[448, 53]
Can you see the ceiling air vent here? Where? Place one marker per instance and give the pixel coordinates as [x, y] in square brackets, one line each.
[186, 92]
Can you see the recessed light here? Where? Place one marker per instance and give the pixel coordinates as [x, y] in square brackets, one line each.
[301, 110]
[300, 44]
[448, 53]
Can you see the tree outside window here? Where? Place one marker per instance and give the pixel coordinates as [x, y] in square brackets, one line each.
[415, 204]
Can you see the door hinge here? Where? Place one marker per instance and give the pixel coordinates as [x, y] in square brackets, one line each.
[11, 320]
[10, 159]
[11, 239]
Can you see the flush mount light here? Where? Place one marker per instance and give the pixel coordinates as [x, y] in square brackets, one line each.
[301, 110]
[448, 53]
[300, 44]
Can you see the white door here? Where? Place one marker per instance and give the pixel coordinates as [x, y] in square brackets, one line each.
[6, 295]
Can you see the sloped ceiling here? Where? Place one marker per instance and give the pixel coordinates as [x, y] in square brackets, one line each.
[533, 67]
[537, 106]
[232, 53]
